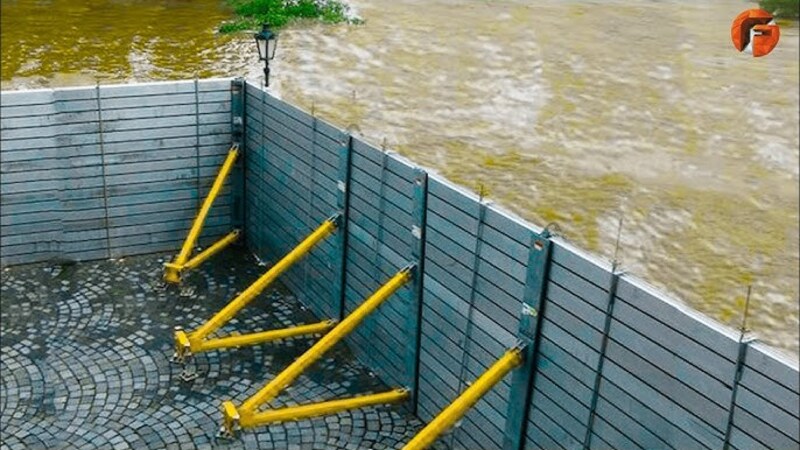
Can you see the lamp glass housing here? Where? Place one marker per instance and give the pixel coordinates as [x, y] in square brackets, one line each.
[267, 42]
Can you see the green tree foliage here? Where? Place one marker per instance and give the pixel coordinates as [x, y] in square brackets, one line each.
[251, 13]
[784, 9]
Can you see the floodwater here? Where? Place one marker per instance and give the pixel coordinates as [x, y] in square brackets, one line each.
[573, 112]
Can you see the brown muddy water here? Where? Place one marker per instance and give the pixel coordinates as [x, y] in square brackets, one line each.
[573, 112]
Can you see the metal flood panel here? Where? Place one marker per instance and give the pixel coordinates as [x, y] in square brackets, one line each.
[379, 245]
[30, 210]
[767, 402]
[569, 348]
[109, 171]
[291, 170]
[673, 370]
[475, 275]
[617, 364]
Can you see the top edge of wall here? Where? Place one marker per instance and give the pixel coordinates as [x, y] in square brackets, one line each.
[260, 86]
[92, 86]
[682, 306]
[781, 356]
[276, 96]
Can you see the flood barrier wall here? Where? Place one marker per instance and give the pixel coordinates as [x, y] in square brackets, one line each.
[618, 365]
[102, 172]
[117, 170]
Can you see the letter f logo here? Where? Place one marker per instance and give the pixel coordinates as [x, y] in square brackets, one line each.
[755, 32]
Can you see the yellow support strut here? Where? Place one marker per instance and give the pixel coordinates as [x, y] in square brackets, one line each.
[266, 336]
[172, 271]
[215, 248]
[329, 407]
[456, 410]
[248, 415]
[194, 342]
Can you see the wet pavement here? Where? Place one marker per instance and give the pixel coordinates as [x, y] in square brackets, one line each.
[86, 354]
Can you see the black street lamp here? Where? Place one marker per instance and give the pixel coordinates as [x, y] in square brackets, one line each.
[266, 41]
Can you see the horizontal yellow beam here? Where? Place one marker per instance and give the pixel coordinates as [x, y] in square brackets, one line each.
[322, 408]
[456, 410]
[215, 248]
[264, 336]
[294, 370]
[173, 270]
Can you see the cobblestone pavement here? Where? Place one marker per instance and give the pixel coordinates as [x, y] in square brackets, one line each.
[86, 363]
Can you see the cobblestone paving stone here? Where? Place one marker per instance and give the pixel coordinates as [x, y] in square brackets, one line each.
[85, 362]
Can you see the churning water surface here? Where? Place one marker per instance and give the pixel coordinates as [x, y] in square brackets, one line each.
[574, 112]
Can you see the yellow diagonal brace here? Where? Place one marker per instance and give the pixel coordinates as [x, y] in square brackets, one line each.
[341, 330]
[172, 270]
[197, 226]
[322, 408]
[215, 248]
[264, 336]
[450, 415]
[256, 288]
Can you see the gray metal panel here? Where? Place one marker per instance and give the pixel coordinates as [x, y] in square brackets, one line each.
[766, 388]
[766, 407]
[780, 421]
[692, 324]
[762, 430]
[656, 347]
[293, 182]
[379, 245]
[654, 353]
[774, 365]
[678, 343]
[133, 187]
[451, 266]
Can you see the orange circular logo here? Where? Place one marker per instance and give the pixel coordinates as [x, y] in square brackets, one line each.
[755, 32]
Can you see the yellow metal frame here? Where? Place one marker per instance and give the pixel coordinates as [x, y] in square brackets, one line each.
[248, 414]
[187, 344]
[456, 410]
[233, 420]
[173, 270]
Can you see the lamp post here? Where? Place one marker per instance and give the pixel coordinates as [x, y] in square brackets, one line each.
[266, 41]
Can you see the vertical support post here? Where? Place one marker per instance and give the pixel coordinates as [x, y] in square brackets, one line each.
[199, 199]
[308, 211]
[381, 206]
[414, 316]
[598, 375]
[744, 343]
[343, 203]
[261, 204]
[101, 132]
[528, 334]
[57, 246]
[238, 139]
[745, 339]
[473, 283]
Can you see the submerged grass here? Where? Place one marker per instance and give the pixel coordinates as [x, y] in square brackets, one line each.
[277, 13]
